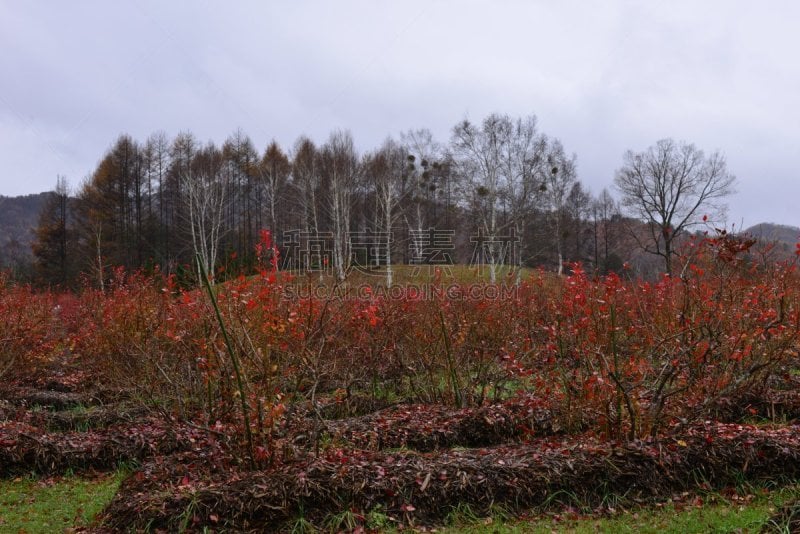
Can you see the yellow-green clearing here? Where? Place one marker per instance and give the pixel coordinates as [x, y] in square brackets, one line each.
[30, 505]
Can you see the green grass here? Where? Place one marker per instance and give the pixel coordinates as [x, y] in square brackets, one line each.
[52, 505]
[719, 516]
[714, 518]
[418, 274]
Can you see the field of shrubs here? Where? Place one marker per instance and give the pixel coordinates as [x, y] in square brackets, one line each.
[249, 405]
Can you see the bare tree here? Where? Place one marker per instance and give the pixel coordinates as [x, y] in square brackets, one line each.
[510, 172]
[206, 198]
[51, 248]
[605, 216]
[243, 209]
[479, 154]
[424, 157]
[523, 174]
[99, 267]
[306, 181]
[559, 179]
[181, 155]
[156, 161]
[577, 208]
[339, 166]
[274, 171]
[670, 185]
[385, 170]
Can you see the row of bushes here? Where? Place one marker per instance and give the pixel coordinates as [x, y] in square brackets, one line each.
[627, 358]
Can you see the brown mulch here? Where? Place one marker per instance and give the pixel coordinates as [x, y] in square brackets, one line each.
[351, 406]
[415, 488]
[430, 427]
[7, 410]
[776, 405]
[25, 448]
[61, 409]
[57, 400]
[92, 418]
[514, 455]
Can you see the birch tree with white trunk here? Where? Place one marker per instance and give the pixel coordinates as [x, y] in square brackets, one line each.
[557, 183]
[479, 153]
[206, 199]
[339, 166]
[274, 170]
[385, 170]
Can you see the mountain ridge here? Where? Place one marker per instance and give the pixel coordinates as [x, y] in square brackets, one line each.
[19, 217]
[781, 233]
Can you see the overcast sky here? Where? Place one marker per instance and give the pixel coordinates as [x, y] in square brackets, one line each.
[602, 76]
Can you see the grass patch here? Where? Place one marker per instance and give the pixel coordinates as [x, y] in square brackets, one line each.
[52, 505]
[404, 275]
[717, 516]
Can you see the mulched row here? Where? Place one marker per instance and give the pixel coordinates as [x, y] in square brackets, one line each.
[61, 398]
[25, 448]
[56, 400]
[414, 463]
[94, 417]
[421, 427]
[351, 406]
[427, 428]
[777, 405]
[417, 488]
[431, 427]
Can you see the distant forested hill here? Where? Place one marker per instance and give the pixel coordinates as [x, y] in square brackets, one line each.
[775, 232]
[778, 241]
[18, 219]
